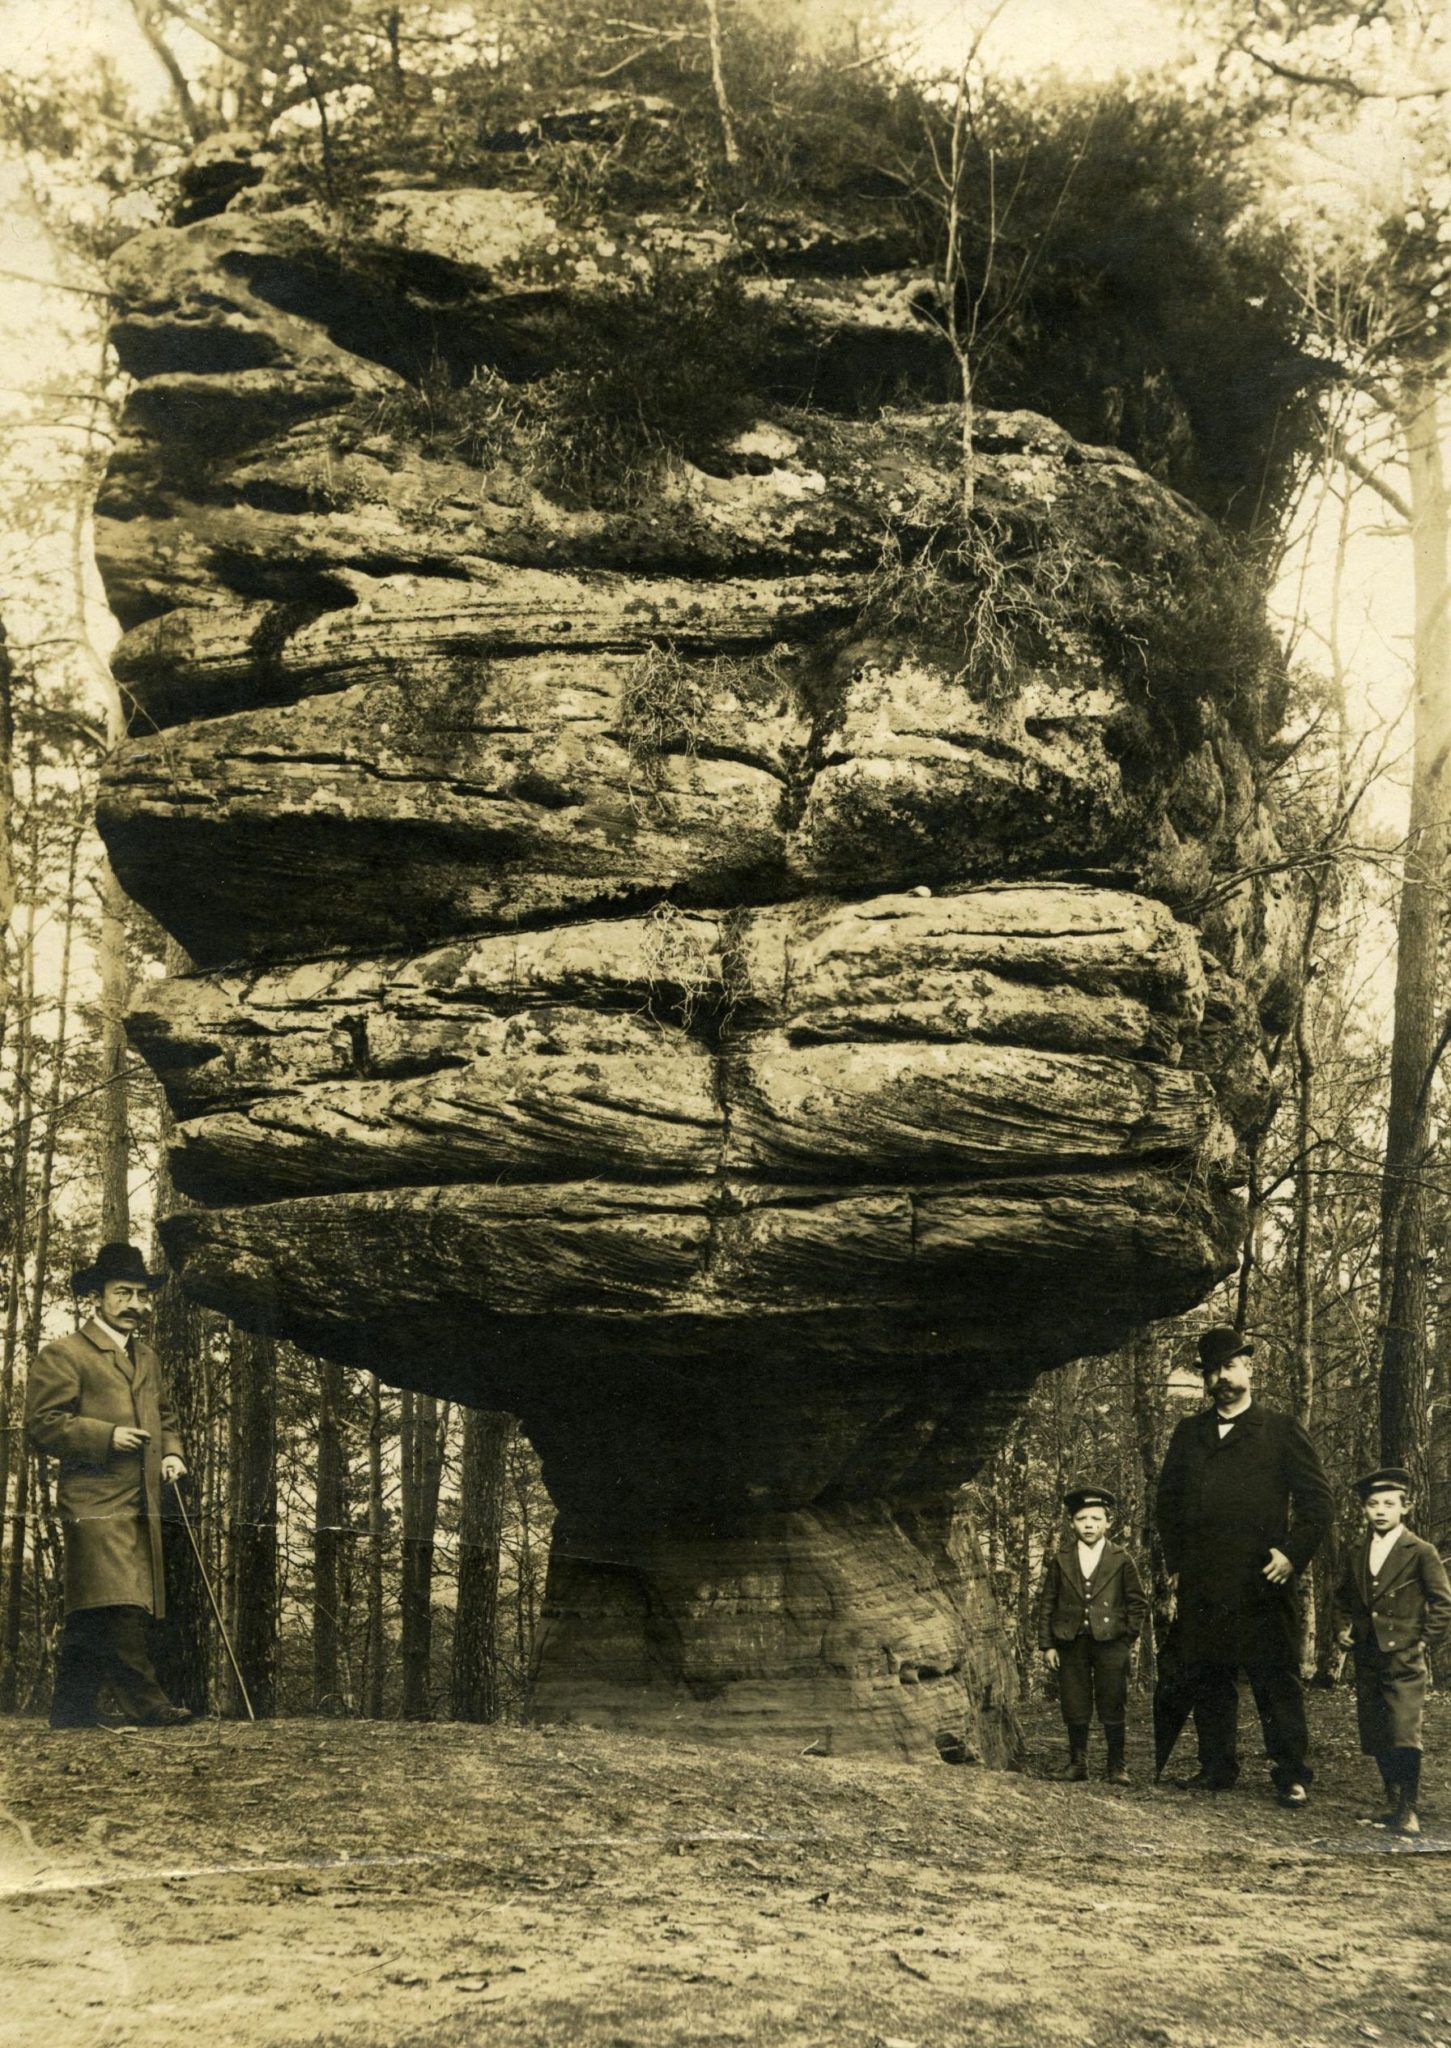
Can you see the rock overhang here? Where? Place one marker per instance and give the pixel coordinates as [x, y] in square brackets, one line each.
[648, 976]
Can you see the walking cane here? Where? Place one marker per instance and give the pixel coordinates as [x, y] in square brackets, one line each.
[216, 1610]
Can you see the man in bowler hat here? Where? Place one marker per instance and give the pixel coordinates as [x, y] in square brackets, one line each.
[96, 1401]
[1243, 1505]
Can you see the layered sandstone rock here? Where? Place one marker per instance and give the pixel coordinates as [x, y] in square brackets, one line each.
[648, 978]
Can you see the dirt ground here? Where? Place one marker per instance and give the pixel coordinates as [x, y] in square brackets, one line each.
[383, 1886]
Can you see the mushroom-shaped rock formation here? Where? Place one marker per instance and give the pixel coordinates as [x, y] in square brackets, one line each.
[737, 970]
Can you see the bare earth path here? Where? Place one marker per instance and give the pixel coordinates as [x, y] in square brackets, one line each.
[375, 1884]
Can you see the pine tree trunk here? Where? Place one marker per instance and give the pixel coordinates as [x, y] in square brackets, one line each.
[327, 1542]
[10, 1632]
[184, 1648]
[113, 1101]
[1303, 1357]
[181, 1332]
[254, 1518]
[22, 1118]
[424, 1426]
[374, 1655]
[474, 1693]
[7, 840]
[1148, 1415]
[1416, 1043]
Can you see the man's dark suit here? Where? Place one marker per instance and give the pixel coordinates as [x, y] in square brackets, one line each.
[1223, 1504]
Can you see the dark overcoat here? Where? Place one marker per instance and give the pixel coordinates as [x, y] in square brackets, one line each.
[80, 1390]
[1223, 1505]
[1112, 1606]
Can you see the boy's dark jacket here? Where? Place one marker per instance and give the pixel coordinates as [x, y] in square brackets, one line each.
[1116, 1606]
[1412, 1603]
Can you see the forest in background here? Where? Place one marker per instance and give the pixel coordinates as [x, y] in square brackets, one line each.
[1166, 278]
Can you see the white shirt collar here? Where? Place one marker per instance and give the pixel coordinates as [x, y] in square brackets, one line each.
[117, 1337]
[1381, 1546]
[1089, 1554]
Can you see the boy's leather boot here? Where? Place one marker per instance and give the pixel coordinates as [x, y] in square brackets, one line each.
[1117, 1772]
[1406, 1821]
[1077, 1769]
[1386, 1764]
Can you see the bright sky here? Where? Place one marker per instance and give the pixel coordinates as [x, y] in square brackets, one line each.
[1093, 38]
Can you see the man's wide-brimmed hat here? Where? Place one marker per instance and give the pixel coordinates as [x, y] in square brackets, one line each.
[1089, 1497]
[1219, 1345]
[1383, 1476]
[115, 1262]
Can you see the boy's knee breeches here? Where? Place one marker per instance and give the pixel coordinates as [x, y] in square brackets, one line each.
[1092, 1673]
[1390, 1692]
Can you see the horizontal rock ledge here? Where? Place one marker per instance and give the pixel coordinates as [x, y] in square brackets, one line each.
[1067, 1257]
[204, 662]
[508, 791]
[765, 1110]
[1063, 967]
[997, 1030]
[793, 494]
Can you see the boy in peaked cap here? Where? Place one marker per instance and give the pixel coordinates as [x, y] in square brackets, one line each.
[1393, 1601]
[1091, 1606]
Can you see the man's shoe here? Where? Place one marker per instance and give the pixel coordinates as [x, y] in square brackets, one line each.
[1117, 1774]
[1202, 1781]
[1075, 1772]
[168, 1717]
[1294, 1796]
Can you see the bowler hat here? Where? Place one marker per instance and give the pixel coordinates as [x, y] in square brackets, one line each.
[1219, 1345]
[115, 1262]
[1089, 1497]
[1384, 1475]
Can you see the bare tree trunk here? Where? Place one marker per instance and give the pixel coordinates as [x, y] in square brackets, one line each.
[327, 1541]
[1416, 1042]
[424, 1428]
[953, 284]
[114, 1136]
[1148, 1417]
[43, 1140]
[718, 85]
[15, 1588]
[474, 1693]
[253, 1477]
[46, 1574]
[7, 841]
[182, 1332]
[22, 1119]
[373, 1657]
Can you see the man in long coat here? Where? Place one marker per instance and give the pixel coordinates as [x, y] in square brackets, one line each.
[96, 1401]
[1243, 1505]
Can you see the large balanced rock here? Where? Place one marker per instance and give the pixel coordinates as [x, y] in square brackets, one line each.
[723, 971]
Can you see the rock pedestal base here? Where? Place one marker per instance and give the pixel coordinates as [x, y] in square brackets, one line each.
[852, 1629]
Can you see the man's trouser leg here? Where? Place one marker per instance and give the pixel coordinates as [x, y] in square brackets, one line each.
[1216, 1720]
[132, 1677]
[1281, 1701]
[81, 1668]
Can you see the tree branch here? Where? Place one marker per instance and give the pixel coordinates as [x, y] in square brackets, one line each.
[1330, 81]
[166, 57]
[1370, 477]
[208, 35]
